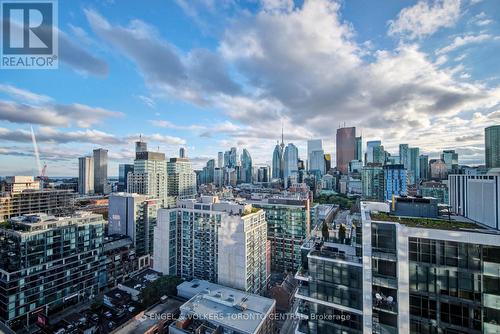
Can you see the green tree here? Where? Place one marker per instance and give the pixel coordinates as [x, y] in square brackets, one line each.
[325, 232]
[165, 285]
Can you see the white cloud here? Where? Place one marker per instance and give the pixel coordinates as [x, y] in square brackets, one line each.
[169, 125]
[461, 41]
[425, 18]
[193, 76]
[34, 108]
[23, 95]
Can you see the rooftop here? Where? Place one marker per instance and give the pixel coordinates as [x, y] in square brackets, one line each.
[222, 306]
[144, 321]
[42, 222]
[443, 224]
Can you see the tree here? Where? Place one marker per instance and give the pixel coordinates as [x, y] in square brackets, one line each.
[164, 285]
[325, 232]
[342, 232]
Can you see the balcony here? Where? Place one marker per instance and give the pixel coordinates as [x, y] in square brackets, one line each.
[385, 303]
[384, 281]
[328, 254]
[302, 274]
[491, 301]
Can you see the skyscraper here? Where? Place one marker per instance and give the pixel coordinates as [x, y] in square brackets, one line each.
[424, 167]
[379, 155]
[370, 146]
[223, 242]
[123, 170]
[403, 155]
[450, 158]
[150, 174]
[182, 153]
[413, 164]
[135, 216]
[372, 181]
[85, 175]
[101, 171]
[246, 167]
[359, 148]
[208, 172]
[290, 158]
[220, 159]
[492, 146]
[328, 162]
[315, 156]
[231, 158]
[278, 163]
[395, 181]
[346, 148]
[181, 180]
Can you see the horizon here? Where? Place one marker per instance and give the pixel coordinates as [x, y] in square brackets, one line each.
[208, 76]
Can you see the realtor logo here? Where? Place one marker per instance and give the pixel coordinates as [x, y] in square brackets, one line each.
[29, 35]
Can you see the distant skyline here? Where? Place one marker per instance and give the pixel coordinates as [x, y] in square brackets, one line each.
[209, 75]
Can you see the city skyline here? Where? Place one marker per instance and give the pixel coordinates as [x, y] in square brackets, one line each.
[218, 90]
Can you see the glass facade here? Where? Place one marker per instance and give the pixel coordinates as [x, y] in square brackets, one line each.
[287, 228]
[49, 264]
[453, 288]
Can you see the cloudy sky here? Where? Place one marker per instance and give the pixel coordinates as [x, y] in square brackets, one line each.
[211, 74]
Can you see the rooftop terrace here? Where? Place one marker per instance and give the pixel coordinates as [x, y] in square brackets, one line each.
[443, 224]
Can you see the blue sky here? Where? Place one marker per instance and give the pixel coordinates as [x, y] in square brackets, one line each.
[208, 75]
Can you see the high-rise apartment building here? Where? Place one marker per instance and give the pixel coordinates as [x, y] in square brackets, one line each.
[17, 184]
[316, 156]
[181, 180]
[346, 148]
[134, 215]
[450, 158]
[23, 196]
[404, 158]
[413, 164]
[48, 263]
[395, 181]
[424, 167]
[85, 175]
[410, 159]
[291, 159]
[220, 159]
[492, 146]
[123, 170]
[246, 167]
[396, 274]
[288, 225]
[370, 146]
[222, 242]
[150, 174]
[476, 197]
[372, 180]
[101, 171]
[359, 148]
[263, 174]
[207, 174]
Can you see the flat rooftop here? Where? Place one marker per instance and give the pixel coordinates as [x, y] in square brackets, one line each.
[223, 306]
[144, 321]
[439, 223]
